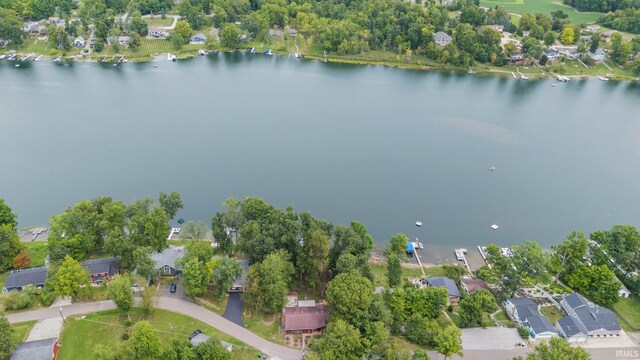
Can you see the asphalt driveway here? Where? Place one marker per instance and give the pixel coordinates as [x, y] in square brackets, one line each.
[233, 312]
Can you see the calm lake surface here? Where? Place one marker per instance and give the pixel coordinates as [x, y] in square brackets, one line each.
[384, 146]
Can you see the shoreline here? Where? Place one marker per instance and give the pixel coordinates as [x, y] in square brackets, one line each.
[481, 69]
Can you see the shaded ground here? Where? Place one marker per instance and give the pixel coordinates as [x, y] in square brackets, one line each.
[233, 311]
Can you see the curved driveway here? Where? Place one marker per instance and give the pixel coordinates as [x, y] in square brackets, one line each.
[177, 305]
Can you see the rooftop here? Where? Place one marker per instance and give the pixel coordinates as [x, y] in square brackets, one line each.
[20, 278]
[99, 266]
[35, 350]
[168, 256]
[305, 318]
[445, 282]
[473, 285]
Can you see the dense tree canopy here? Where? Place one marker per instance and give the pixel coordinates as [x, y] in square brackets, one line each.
[268, 282]
[7, 217]
[10, 246]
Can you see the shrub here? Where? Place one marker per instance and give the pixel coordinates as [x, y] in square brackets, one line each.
[125, 336]
[21, 261]
[524, 333]
[47, 297]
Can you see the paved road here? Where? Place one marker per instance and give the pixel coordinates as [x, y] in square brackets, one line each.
[177, 305]
[233, 311]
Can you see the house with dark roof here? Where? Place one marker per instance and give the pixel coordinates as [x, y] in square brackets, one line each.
[525, 312]
[441, 38]
[305, 319]
[592, 319]
[101, 269]
[445, 282]
[167, 261]
[472, 285]
[199, 38]
[239, 282]
[46, 349]
[569, 329]
[18, 279]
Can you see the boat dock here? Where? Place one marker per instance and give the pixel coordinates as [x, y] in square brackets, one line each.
[460, 256]
[174, 232]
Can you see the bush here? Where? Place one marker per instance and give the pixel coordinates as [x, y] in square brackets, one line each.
[14, 300]
[125, 336]
[47, 297]
[450, 308]
[524, 333]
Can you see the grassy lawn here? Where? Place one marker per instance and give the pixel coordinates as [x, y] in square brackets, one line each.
[38, 252]
[158, 21]
[79, 336]
[3, 278]
[22, 330]
[265, 326]
[542, 6]
[552, 313]
[628, 310]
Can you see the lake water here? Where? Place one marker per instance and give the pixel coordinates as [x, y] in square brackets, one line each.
[384, 146]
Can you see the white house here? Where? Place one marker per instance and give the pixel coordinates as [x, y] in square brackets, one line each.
[552, 54]
[598, 55]
[525, 312]
[442, 38]
[79, 42]
[157, 32]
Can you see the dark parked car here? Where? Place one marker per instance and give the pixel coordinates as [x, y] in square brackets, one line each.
[173, 288]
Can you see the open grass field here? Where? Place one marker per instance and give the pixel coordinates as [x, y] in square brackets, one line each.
[542, 6]
[158, 21]
[38, 252]
[265, 326]
[79, 336]
[628, 310]
[22, 330]
[380, 273]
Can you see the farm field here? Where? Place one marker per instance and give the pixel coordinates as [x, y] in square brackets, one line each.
[542, 6]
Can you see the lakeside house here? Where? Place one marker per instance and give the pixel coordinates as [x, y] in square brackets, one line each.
[198, 39]
[498, 28]
[598, 55]
[167, 261]
[607, 34]
[276, 34]
[101, 269]
[592, 27]
[552, 54]
[472, 285]
[18, 279]
[591, 320]
[79, 42]
[305, 318]
[525, 313]
[46, 349]
[57, 21]
[293, 32]
[157, 32]
[450, 285]
[442, 38]
[124, 40]
[239, 282]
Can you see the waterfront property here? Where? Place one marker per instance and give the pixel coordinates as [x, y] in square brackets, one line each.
[18, 279]
[442, 38]
[569, 329]
[591, 319]
[198, 39]
[598, 55]
[101, 269]
[526, 313]
[305, 318]
[157, 33]
[79, 42]
[450, 285]
[167, 261]
[472, 285]
[46, 349]
[239, 282]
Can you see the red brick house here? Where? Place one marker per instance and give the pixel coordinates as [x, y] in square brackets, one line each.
[305, 319]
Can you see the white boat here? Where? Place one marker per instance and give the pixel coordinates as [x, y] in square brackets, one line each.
[493, 168]
[202, 52]
[566, 78]
[554, 84]
[17, 65]
[602, 78]
[253, 50]
[523, 77]
[418, 224]
[2, 57]
[560, 78]
[419, 244]
[495, 227]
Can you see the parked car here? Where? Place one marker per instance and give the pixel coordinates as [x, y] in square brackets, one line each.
[173, 288]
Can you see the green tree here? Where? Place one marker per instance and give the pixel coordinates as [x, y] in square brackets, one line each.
[268, 282]
[7, 217]
[135, 42]
[448, 342]
[211, 349]
[567, 35]
[394, 271]
[420, 354]
[350, 295]
[621, 243]
[230, 36]
[346, 263]
[421, 330]
[172, 202]
[558, 349]
[454, 272]
[184, 30]
[144, 343]
[569, 255]
[397, 244]
[180, 349]
[621, 49]
[138, 25]
[313, 256]
[201, 250]
[148, 299]
[340, 341]
[532, 48]
[476, 308]
[7, 345]
[71, 279]
[148, 224]
[549, 38]
[194, 278]
[194, 230]
[531, 261]
[225, 270]
[10, 246]
[10, 29]
[145, 266]
[119, 290]
[598, 283]
[595, 43]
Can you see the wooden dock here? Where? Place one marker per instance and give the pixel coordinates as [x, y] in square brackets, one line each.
[415, 253]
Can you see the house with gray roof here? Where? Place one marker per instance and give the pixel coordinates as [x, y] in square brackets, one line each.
[525, 312]
[450, 285]
[18, 279]
[239, 282]
[45, 349]
[569, 329]
[598, 55]
[592, 319]
[167, 261]
[101, 269]
[442, 38]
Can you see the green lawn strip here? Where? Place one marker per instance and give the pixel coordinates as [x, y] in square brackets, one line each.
[628, 310]
[380, 273]
[21, 330]
[265, 326]
[542, 6]
[552, 313]
[455, 317]
[79, 336]
[3, 278]
[159, 21]
[38, 251]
